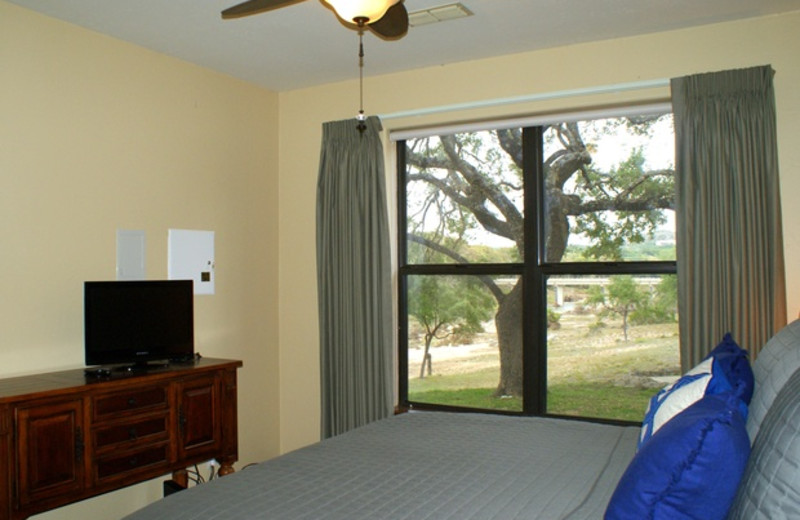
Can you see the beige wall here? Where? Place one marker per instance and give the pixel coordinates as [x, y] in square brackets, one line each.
[772, 40]
[98, 135]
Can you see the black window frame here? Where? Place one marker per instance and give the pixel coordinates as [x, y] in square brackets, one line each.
[534, 272]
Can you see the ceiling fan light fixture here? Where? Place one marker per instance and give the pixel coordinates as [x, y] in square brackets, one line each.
[353, 10]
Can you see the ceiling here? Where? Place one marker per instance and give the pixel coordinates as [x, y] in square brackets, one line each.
[303, 44]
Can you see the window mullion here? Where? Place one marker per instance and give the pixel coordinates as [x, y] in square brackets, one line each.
[534, 355]
[402, 283]
[610, 268]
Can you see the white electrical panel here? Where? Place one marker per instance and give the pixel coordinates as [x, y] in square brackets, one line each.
[191, 257]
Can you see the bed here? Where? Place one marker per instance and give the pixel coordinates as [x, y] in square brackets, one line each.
[454, 466]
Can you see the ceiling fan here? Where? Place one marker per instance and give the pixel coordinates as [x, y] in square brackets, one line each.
[387, 19]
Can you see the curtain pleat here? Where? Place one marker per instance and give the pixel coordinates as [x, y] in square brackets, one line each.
[353, 278]
[730, 241]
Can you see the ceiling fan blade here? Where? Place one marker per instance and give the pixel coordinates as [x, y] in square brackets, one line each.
[392, 25]
[255, 7]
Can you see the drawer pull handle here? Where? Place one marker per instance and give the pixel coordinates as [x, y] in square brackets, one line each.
[131, 402]
[132, 434]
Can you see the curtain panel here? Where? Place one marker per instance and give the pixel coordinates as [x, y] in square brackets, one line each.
[730, 241]
[353, 278]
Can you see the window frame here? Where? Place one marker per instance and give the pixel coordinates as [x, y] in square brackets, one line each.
[534, 272]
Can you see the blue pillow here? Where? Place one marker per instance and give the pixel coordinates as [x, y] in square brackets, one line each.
[735, 363]
[725, 369]
[706, 378]
[691, 467]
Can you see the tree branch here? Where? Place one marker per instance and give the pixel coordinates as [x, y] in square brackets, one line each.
[483, 189]
[486, 279]
[489, 221]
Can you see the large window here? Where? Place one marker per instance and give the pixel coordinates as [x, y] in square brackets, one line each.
[537, 268]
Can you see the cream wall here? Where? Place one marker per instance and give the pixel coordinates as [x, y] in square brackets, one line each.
[98, 135]
[770, 40]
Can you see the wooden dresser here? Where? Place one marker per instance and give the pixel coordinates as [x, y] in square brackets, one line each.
[65, 436]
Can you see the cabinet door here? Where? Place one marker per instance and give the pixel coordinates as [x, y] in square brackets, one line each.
[199, 427]
[50, 450]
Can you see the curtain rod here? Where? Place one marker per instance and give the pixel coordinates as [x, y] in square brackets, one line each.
[604, 89]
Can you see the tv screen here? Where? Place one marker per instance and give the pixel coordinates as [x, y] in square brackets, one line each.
[135, 322]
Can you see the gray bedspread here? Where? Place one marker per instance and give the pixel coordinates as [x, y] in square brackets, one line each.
[425, 466]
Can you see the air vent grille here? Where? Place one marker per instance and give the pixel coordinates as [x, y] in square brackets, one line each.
[438, 14]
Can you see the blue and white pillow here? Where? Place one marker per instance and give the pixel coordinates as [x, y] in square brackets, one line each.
[676, 397]
[725, 370]
[690, 469]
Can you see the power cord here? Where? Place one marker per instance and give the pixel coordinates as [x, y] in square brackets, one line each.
[195, 476]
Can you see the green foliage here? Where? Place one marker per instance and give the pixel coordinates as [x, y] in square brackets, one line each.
[418, 253]
[574, 253]
[620, 293]
[662, 307]
[492, 255]
[635, 304]
[553, 319]
[445, 305]
[621, 296]
[610, 231]
[648, 251]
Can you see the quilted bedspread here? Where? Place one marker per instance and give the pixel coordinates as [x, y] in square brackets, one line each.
[425, 466]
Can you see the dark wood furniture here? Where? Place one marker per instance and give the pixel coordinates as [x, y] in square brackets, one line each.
[65, 436]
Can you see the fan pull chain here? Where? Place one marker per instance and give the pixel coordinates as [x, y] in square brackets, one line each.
[361, 126]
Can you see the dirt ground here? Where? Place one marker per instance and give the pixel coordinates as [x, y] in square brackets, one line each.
[577, 350]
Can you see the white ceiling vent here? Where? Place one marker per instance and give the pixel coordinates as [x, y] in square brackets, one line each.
[438, 14]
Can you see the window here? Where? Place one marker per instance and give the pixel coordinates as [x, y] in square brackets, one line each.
[537, 268]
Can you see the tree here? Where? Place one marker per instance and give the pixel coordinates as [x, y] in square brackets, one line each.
[447, 306]
[473, 182]
[621, 296]
[662, 307]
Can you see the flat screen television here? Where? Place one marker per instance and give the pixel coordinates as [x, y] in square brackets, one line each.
[137, 323]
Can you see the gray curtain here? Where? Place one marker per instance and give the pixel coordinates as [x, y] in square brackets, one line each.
[730, 247]
[353, 278]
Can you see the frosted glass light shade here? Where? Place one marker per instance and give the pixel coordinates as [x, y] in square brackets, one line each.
[350, 10]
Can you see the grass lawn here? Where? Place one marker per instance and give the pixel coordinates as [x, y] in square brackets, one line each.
[580, 399]
[468, 397]
[591, 372]
[599, 400]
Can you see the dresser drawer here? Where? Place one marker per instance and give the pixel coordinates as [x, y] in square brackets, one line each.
[132, 400]
[143, 429]
[142, 460]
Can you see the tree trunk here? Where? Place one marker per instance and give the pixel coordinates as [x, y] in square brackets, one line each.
[556, 226]
[625, 324]
[509, 317]
[508, 321]
[426, 357]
